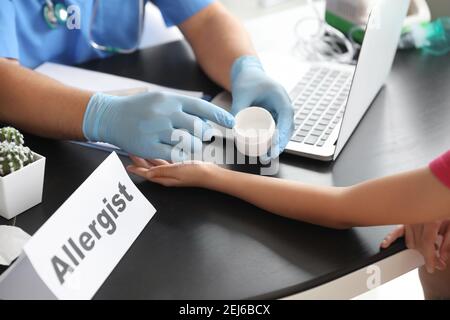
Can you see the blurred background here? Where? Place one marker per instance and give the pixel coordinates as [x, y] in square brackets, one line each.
[259, 17]
[252, 8]
[439, 7]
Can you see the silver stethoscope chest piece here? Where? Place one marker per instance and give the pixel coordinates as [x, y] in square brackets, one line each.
[54, 14]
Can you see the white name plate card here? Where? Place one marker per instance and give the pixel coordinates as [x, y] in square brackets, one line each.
[79, 246]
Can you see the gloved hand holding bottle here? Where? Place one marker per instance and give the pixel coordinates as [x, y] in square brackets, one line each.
[251, 86]
[144, 125]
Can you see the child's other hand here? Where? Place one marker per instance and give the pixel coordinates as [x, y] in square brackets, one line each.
[183, 174]
[432, 240]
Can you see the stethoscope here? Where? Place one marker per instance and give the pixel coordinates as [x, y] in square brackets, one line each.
[55, 14]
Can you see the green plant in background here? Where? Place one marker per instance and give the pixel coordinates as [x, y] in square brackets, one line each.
[10, 134]
[13, 154]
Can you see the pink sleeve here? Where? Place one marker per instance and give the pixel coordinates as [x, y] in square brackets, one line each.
[441, 168]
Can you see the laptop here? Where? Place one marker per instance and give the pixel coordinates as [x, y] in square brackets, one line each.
[330, 99]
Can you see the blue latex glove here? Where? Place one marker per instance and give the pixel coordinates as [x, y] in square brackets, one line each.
[144, 124]
[250, 86]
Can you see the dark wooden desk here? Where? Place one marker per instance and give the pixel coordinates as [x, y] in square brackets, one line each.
[203, 244]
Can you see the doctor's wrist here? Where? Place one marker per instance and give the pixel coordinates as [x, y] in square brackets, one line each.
[96, 120]
[242, 63]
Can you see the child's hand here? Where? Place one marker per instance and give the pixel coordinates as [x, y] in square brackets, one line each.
[432, 240]
[184, 174]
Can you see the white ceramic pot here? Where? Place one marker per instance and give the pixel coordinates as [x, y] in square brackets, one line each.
[22, 189]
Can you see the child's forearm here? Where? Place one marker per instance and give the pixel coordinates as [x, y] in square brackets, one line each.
[316, 205]
[409, 198]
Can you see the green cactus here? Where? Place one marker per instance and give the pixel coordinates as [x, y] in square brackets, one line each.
[25, 155]
[10, 134]
[13, 157]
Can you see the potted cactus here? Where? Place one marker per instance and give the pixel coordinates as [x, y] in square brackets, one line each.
[21, 174]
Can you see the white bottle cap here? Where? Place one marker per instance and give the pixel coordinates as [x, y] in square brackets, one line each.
[253, 131]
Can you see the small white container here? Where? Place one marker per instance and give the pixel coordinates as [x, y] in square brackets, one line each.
[22, 189]
[253, 131]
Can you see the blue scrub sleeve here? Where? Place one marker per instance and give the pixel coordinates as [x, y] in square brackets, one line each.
[8, 37]
[175, 12]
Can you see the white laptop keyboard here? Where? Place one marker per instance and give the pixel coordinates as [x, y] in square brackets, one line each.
[319, 101]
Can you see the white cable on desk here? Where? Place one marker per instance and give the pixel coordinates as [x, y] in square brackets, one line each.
[327, 43]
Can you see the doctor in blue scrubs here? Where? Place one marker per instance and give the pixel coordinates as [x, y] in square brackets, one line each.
[73, 31]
